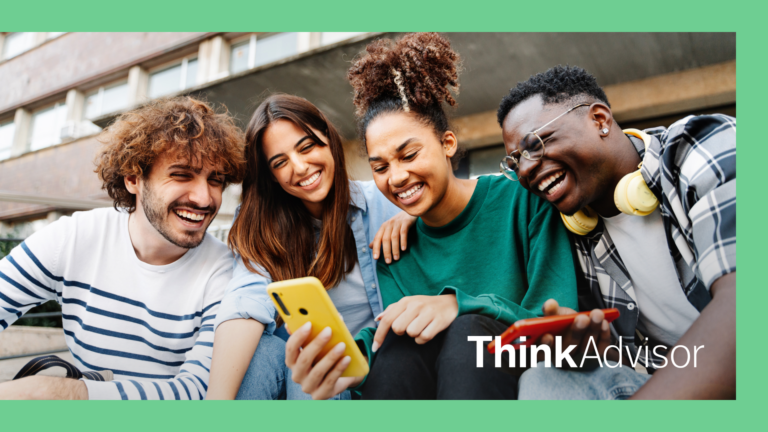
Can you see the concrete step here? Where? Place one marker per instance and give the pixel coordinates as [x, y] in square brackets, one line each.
[20, 340]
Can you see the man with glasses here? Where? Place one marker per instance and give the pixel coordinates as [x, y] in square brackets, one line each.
[653, 217]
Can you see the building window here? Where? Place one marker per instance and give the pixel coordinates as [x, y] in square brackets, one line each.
[6, 139]
[240, 57]
[173, 78]
[189, 79]
[46, 126]
[327, 38]
[17, 43]
[262, 50]
[482, 161]
[276, 47]
[485, 161]
[106, 100]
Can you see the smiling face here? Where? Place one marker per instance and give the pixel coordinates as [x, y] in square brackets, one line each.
[180, 201]
[572, 172]
[302, 166]
[410, 165]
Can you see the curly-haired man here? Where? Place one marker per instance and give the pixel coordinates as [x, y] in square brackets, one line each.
[654, 220]
[139, 284]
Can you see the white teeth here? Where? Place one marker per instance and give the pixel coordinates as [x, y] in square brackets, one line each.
[409, 193]
[555, 188]
[310, 180]
[548, 181]
[189, 215]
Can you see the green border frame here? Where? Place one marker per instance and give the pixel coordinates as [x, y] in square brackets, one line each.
[745, 18]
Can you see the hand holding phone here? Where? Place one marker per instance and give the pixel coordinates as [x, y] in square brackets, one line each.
[304, 300]
[321, 353]
[583, 328]
[575, 328]
[319, 375]
[535, 328]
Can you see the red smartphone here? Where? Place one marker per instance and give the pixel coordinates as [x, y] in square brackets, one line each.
[534, 328]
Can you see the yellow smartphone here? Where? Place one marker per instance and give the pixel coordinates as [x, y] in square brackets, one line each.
[305, 299]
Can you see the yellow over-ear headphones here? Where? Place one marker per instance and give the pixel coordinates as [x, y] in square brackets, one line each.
[632, 196]
[582, 222]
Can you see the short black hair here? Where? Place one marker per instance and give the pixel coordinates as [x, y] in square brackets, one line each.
[556, 85]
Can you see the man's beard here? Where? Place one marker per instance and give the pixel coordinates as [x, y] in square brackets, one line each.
[157, 215]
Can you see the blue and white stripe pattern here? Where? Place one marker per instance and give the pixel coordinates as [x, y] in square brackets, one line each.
[152, 326]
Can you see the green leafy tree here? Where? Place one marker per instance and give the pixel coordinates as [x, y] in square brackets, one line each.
[6, 246]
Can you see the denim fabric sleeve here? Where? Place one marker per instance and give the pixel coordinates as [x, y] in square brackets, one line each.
[375, 209]
[246, 297]
[380, 208]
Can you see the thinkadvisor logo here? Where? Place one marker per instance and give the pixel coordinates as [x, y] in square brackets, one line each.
[565, 355]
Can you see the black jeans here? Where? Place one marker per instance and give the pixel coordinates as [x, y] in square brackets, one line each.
[443, 368]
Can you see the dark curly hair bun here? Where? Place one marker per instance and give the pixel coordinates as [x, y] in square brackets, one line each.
[427, 64]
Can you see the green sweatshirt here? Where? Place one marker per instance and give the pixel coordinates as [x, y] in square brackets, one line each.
[503, 256]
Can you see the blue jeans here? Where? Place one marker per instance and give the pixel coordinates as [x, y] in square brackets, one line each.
[603, 383]
[268, 378]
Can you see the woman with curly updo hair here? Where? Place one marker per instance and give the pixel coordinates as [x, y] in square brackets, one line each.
[483, 254]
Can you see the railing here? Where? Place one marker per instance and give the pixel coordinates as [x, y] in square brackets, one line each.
[37, 354]
[29, 316]
[40, 315]
[220, 232]
[65, 203]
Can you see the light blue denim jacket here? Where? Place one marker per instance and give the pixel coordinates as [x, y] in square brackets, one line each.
[246, 295]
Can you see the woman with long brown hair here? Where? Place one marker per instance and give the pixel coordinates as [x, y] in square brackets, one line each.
[300, 216]
[483, 253]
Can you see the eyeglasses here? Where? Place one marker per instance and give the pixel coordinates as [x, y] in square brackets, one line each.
[531, 147]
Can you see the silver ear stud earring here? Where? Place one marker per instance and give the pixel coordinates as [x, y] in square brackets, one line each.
[605, 130]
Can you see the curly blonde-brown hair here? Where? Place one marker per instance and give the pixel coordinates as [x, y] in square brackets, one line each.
[182, 127]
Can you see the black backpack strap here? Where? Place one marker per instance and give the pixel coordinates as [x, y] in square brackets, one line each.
[39, 364]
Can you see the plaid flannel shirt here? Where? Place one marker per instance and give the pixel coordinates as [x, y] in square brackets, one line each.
[691, 168]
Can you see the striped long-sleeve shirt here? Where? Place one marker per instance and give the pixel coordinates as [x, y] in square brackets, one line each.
[152, 326]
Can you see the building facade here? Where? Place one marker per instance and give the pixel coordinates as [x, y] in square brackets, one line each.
[58, 90]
